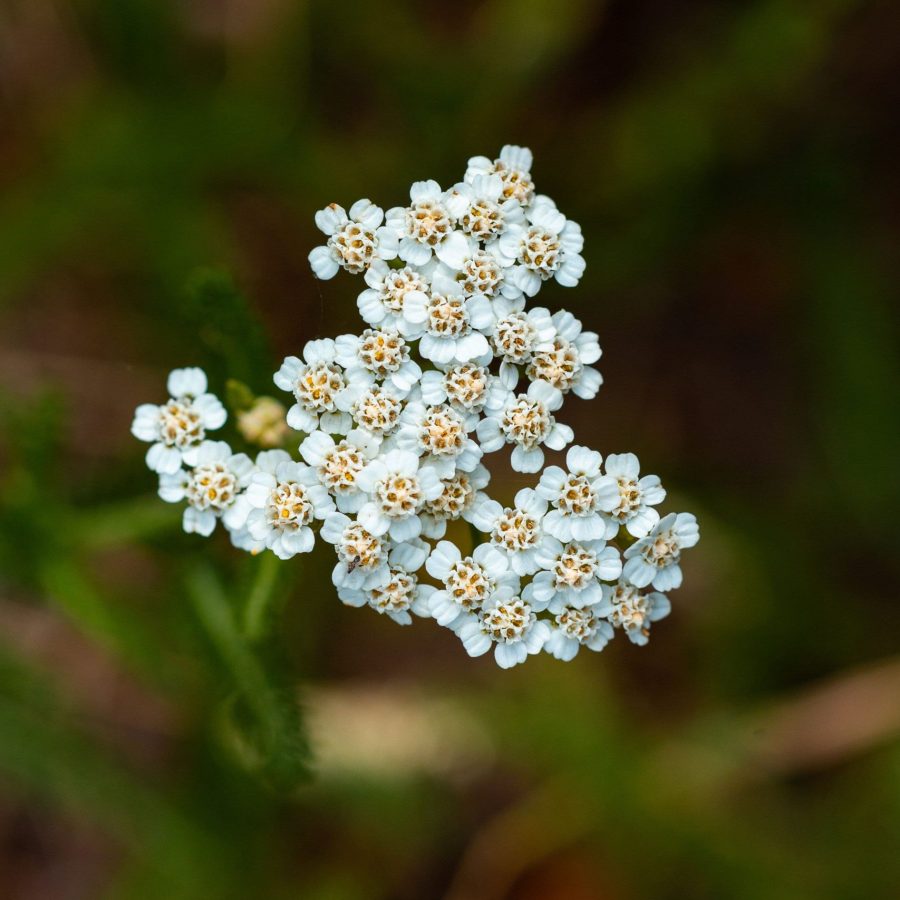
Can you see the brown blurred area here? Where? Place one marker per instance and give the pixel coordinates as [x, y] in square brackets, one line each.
[733, 167]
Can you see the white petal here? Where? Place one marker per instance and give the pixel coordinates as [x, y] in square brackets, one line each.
[212, 413]
[301, 420]
[405, 529]
[509, 655]
[606, 491]
[371, 518]
[453, 250]
[286, 376]
[172, 486]
[637, 571]
[367, 213]
[145, 426]
[583, 461]
[162, 459]
[189, 382]
[195, 521]
[490, 435]
[668, 578]
[570, 272]
[424, 190]
[560, 647]
[558, 525]
[439, 350]
[587, 383]
[588, 528]
[559, 436]
[333, 527]
[609, 566]
[642, 522]
[475, 641]
[660, 606]
[323, 263]
[519, 158]
[370, 307]
[527, 461]
[414, 253]
[315, 447]
[331, 219]
[622, 465]
[471, 347]
[552, 480]
[388, 242]
[485, 514]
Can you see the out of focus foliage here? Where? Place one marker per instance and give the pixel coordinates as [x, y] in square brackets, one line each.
[733, 167]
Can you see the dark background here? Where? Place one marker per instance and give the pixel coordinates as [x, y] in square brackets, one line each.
[734, 168]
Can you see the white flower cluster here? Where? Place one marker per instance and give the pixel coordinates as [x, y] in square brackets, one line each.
[396, 421]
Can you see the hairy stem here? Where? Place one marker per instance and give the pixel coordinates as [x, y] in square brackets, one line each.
[258, 609]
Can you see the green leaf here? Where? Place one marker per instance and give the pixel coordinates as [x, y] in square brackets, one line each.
[226, 325]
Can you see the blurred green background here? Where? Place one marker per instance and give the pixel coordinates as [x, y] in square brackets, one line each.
[734, 168]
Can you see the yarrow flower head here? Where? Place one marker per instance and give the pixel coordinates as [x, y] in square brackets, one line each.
[516, 531]
[354, 242]
[461, 494]
[574, 627]
[655, 559]
[510, 626]
[286, 498]
[566, 362]
[637, 496]
[398, 486]
[547, 246]
[439, 435]
[480, 273]
[178, 427]
[455, 329]
[482, 209]
[514, 168]
[427, 228]
[395, 298]
[338, 463]
[469, 583]
[213, 488]
[316, 380]
[362, 556]
[381, 454]
[399, 594]
[379, 353]
[527, 422]
[578, 495]
[467, 388]
[631, 609]
[572, 574]
[374, 409]
[264, 423]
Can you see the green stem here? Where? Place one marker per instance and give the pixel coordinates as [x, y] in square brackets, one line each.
[249, 678]
[273, 744]
[258, 609]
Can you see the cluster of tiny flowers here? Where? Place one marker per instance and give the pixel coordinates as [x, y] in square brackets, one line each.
[452, 364]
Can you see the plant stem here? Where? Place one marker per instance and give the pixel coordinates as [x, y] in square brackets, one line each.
[258, 609]
[249, 678]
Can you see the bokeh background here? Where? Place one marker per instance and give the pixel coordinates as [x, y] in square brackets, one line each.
[179, 720]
